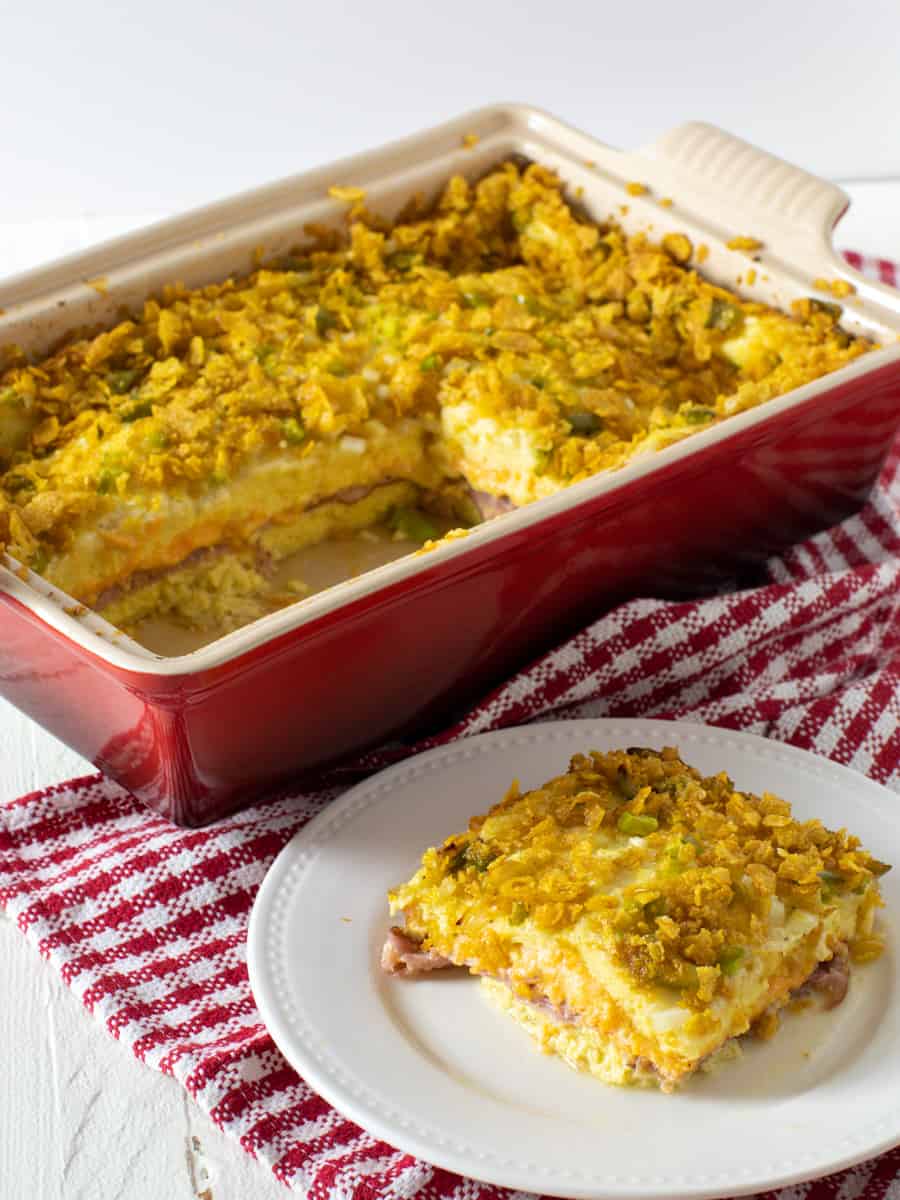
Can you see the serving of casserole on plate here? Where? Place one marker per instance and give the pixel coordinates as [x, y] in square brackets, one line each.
[637, 918]
[637, 954]
[566, 372]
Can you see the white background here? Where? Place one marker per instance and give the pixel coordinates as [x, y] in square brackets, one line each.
[114, 114]
[131, 108]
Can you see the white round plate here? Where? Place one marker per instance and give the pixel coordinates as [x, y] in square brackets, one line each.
[432, 1068]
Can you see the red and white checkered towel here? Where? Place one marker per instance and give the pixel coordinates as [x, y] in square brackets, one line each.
[148, 923]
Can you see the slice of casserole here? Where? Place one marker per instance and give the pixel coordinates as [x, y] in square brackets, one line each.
[635, 916]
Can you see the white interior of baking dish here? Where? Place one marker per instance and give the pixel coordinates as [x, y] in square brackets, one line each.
[719, 187]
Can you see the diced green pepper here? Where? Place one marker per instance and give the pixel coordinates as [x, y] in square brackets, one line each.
[531, 305]
[267, 356]
[458, 861]
[633, 825]
[519, 913]
[673, 864]
[584, 423]
[542, 461]
[697, 414]
[473, 856]
[723, 316]
[431, 362]
[401, 260]
[481, 861]
[824, 306]
[143, 408]
[476, 299]
[325, 320]
[671, 786]
[412, 524]
[730, 959]
[121, 382]
[656, 908]
[293, 431]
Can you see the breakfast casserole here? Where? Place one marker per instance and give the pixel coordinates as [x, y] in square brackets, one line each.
[636, 918]
[411, 377]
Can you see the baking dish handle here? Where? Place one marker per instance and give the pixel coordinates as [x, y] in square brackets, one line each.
[756, 187]
[766, 198]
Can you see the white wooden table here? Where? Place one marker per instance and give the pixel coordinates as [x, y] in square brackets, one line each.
[80, 1119]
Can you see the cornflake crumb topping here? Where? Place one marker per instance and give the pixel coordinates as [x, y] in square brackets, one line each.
[748, 244]
[595, 345]
[676, 874]
[839, 288]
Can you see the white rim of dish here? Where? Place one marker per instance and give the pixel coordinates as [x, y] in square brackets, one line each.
[411, 1133]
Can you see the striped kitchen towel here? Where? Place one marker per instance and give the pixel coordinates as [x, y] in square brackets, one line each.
[147, 923]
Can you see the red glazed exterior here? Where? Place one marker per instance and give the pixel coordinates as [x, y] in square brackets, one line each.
[194, 746]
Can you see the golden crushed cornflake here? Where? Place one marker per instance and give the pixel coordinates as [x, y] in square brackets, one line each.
[673, 874]
[636, 189]
[839, 288]
[679, 246]
[452, 535]
[748, 244]
[500, 307]
[100, 285]
[348, 195]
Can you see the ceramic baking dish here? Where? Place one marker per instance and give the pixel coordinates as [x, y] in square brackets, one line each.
[199, 734]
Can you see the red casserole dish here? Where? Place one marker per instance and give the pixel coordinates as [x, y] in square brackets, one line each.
[198, 734]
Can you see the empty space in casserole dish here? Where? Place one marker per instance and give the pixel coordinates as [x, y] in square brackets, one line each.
[252, 455]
